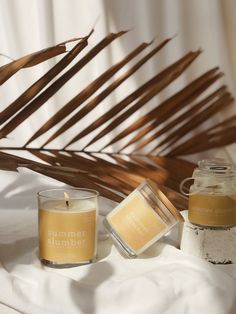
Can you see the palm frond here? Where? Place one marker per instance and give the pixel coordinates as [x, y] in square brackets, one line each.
[33, 90]
[172, 128]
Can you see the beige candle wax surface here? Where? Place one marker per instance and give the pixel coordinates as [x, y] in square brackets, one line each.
[135, 222]
[212, 210]
[67, 234]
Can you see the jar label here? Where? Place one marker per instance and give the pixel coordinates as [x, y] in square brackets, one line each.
[136, 222]
[212, 210]
[67, 237]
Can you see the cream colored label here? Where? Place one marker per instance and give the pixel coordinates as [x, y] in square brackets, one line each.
[136, 222]
[213, 210]
[67, 237]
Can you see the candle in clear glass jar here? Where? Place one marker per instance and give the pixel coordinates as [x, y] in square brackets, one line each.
[141, 219]
[212, 197]
[67, 227]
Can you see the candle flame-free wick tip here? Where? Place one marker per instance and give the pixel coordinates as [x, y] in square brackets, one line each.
[66, 196]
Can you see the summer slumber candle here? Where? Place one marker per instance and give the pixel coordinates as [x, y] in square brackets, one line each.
[141, 219]
[67, 227]
[212, 197]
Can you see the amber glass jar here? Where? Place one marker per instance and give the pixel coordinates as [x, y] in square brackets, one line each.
[212, 197]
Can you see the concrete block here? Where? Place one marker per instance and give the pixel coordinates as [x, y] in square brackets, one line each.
[217, 246]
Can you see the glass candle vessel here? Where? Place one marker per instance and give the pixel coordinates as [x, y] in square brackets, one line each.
[141, 219]
[67, 224]
[212, 197]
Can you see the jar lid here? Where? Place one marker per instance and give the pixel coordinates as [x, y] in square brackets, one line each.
[165, 200]
[217, 167]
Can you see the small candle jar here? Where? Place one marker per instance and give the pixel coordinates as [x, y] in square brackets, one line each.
[212, 197]
[67, 223]
[141, 219]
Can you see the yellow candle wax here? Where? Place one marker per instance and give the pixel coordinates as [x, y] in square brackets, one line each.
[67, 232]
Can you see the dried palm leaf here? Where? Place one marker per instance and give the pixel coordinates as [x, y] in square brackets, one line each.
[172, 128]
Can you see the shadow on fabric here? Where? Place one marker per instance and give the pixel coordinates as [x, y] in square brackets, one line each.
[84, 291]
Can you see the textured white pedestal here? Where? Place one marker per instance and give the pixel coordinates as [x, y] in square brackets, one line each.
[217, 246]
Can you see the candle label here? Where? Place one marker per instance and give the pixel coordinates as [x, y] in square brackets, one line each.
[136, 222]
[213, 210]
[67, 237]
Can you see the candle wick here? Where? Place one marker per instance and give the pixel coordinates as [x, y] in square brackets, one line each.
[66, 196]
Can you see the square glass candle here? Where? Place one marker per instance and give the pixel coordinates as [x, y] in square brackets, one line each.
[67, 224]
[141, 219]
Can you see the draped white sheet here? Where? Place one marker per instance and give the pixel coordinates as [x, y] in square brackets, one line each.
[163, 280]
